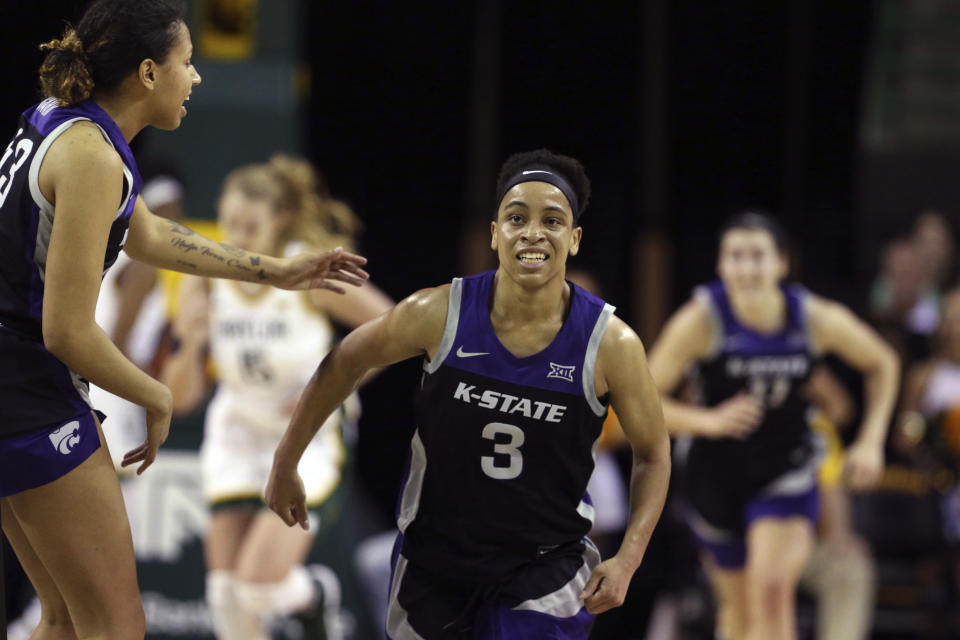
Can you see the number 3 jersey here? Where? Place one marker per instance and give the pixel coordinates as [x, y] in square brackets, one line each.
[504, 445]
[774, 368]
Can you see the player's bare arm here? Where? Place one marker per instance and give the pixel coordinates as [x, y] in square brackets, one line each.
[622, 372]
[170, 245]
[413, 327]
[837, 330]
[83, 177]
[185, 370]
[689, 336]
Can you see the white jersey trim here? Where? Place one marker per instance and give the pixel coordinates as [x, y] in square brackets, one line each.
[410, 502]
[449, 329]
[702, 294]
[398, 627]
[590, 361]
[45, 222]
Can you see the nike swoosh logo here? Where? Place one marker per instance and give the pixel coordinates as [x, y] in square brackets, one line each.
[468, 354]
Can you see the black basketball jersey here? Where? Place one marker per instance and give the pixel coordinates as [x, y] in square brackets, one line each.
[26, 217]
[774, 368]
[504, 446]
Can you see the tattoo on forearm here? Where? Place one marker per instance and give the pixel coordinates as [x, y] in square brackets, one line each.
[184, 263]
[255, 261]
[262, 274]
[184, 245]
[182, 230]
[207, 251]
[232, 250]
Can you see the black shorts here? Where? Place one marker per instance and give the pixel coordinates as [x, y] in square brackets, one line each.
[541, 600]
[36, 389]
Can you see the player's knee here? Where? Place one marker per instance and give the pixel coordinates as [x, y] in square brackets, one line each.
[773, 593]
[259, 598]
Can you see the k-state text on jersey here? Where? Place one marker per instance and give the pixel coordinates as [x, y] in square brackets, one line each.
[509, 404]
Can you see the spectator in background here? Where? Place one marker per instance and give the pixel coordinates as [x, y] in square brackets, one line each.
[904, 298]
[929, 421]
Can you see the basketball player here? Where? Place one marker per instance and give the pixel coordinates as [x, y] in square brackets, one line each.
[519, 366]
[751, 470]
[264, 345]
[69, 201]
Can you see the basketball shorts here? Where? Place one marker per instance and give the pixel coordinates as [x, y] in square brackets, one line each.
[40, 456]
[36, 389]
[795, 494]
[237, 454]
[541, 600]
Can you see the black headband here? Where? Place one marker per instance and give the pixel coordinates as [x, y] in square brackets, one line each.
[543, 175]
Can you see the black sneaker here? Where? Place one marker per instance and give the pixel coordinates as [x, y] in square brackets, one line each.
[320, 621]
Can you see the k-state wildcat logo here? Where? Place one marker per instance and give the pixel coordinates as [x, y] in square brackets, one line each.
[66, 437]
[561, 371]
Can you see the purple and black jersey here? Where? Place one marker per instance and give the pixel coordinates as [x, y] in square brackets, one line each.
[36, 389]
[504, 445]
[780, 457]
[26, 217]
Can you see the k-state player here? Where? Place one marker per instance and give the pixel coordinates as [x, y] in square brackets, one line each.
[751, 473]
[69, 202]
[519, 367]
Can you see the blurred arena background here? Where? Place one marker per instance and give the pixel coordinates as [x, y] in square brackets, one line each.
[842, 118]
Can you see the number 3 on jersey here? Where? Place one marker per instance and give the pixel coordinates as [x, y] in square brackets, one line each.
[512, 448]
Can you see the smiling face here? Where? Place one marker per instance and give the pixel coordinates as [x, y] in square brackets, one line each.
[750, 264]
[534, 233]
[171, 82]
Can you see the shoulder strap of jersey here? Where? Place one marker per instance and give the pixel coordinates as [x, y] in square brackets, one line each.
[449, 329]
[705, 294]
[590, 360]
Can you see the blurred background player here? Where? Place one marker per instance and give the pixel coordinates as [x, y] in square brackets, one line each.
[750, 477]
[264, 344]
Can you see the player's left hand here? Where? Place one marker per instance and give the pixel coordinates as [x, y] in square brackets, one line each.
[321, 270]
[863, 465]
[607, 587]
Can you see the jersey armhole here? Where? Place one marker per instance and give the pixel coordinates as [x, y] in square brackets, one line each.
[449, 329]
[702, 295]
[590, 360]
[804, 299]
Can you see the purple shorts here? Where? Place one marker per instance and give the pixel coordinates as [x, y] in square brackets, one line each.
[728, 547]
[40, 456]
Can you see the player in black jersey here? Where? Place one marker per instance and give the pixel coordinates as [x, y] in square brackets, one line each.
[68, 204]
[750, 479]
[518, 368]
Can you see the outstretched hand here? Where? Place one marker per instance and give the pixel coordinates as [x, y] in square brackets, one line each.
[322, 270]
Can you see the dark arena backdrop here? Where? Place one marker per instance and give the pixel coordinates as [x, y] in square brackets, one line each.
[841, 118]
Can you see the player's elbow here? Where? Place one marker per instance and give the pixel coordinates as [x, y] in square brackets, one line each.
[63, 337]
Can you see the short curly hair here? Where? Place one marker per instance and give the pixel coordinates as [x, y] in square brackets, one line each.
[569, 168]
